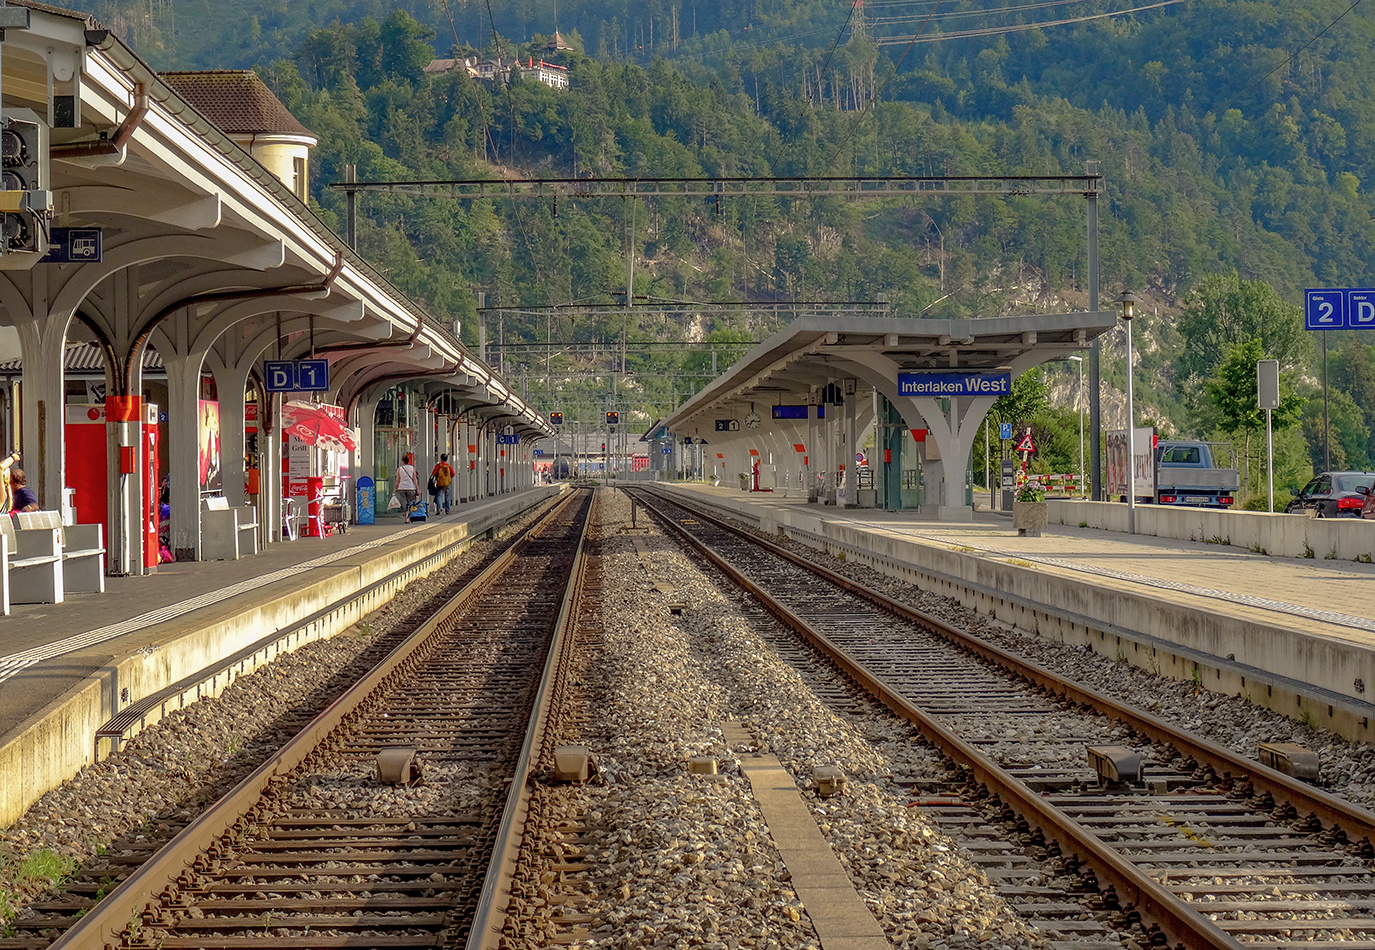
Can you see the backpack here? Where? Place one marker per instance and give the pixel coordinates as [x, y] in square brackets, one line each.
[443, 475]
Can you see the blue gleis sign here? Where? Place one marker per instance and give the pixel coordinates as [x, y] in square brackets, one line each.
[954, 384]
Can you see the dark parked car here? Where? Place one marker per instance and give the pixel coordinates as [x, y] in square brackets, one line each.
[1334, 495]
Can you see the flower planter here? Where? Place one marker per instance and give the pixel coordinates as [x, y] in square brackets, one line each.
[1029, 518]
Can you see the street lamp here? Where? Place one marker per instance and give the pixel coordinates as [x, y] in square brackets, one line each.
[1079, 411]
[1129, 300]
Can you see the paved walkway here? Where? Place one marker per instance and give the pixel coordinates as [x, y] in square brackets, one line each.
[1329, 597]
[46, 649]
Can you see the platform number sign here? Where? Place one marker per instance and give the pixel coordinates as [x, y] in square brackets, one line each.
[288, 376]
[1341, 308]
[1325, 310]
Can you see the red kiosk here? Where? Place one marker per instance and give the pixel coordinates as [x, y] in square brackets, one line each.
[86, 437]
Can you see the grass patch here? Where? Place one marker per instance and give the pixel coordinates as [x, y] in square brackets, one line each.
[45, 865]
[1019, 562]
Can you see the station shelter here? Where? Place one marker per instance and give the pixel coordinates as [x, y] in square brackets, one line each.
[169, 300]
[791, 414]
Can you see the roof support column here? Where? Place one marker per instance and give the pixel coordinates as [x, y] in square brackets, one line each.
[851, 450]
[425, 455]
[953, 431]
[364, 462]
[231, 383]
[270, 475]
[42, 342]
[183, 432]
[814, 463]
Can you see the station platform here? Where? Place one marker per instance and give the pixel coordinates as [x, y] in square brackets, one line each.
[66, 669]
[1294, 634]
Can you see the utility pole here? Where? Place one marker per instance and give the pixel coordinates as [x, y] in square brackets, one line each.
[1095, 374]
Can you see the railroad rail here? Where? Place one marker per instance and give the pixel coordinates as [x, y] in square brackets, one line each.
[1188, 842]
[390, 819]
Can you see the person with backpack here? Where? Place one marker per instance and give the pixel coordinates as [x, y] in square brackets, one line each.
[442, 477]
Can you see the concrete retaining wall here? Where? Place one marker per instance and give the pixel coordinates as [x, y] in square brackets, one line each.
[1279, 535]
[1227, 648]
[60, 740]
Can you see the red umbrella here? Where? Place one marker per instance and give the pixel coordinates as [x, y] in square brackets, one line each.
[319, 425]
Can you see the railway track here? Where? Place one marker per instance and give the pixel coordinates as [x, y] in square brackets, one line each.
[1196, 846]
[391, 820]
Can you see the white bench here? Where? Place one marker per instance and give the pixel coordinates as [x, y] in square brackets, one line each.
[30, 565]
[83, 550]
[227, 534]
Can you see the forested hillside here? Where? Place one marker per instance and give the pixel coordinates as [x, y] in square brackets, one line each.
[1236, 138]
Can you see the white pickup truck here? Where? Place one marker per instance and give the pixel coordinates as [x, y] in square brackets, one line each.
[1181, 473]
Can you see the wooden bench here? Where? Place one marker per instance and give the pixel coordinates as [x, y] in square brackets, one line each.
[227, 534]
[83, 550]
[30, 565]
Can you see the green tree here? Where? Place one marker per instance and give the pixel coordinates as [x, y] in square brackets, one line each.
[1220, 313]
[1232, 390]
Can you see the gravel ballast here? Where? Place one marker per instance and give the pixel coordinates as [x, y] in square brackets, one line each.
[680, 860]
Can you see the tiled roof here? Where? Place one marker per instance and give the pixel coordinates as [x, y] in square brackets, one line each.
[441, 65]
[84, 359]
[235, 100]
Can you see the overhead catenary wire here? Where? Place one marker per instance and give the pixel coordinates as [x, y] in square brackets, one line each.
[1288, 59]
[1014, 28]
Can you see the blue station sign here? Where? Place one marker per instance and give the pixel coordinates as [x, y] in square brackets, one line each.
[954, 384]
[74, 246]
[294, 376]
[797, 412]
[1340, 308]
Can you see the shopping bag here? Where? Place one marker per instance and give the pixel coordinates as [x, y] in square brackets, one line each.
[395, 503]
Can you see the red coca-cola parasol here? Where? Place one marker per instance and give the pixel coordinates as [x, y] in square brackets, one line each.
[319, 425]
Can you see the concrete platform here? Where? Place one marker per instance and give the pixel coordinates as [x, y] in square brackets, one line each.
[68, 668]
[1291, 633]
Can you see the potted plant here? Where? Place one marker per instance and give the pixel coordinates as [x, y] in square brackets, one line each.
[1029, 509]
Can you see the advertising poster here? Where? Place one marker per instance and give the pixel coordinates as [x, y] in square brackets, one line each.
[208, 445]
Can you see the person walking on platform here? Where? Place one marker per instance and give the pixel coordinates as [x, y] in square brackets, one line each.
[443, 476]
[407, 485]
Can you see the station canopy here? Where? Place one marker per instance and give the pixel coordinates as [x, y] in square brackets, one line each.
[812, 352]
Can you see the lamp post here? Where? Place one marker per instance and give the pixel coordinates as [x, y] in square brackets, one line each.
[1079, 411]
[1129, 300]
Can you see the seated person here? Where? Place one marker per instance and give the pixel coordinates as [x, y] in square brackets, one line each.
[25, 498]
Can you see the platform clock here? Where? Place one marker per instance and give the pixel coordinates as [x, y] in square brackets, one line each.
[752, 421]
